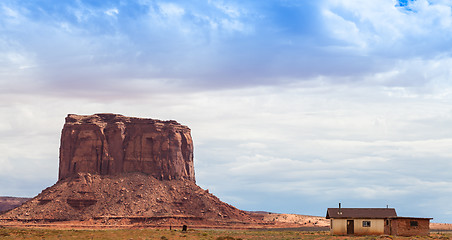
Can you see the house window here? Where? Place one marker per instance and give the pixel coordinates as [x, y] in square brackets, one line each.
[414, 223]
[387, 222]
[366, 223]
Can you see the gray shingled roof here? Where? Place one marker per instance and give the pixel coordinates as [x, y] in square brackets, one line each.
[360, 213]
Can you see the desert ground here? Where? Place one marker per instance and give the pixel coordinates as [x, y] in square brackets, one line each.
[207, 234]
[279, 226]
[285, 226]
[441, 226]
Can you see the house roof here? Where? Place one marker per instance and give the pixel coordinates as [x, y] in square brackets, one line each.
[413, 218]
[361, 213]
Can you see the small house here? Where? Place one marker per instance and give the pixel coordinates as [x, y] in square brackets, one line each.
[375, 221]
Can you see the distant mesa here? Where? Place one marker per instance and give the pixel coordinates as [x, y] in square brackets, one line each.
[7, 203]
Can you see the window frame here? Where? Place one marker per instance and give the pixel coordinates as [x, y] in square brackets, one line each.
[367, 223]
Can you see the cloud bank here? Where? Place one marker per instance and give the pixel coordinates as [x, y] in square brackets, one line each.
[294, 106]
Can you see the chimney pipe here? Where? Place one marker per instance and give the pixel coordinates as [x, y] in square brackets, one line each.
[339, 212]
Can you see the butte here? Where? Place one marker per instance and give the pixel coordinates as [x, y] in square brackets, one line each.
[118, 170]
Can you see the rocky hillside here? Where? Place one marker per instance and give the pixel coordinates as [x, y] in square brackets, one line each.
[133, 197]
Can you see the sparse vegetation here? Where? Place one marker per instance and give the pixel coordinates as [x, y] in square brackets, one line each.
[228, 238]
[142, 234]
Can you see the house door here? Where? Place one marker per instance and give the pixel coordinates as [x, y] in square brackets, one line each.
[388, 227]
[350, 227]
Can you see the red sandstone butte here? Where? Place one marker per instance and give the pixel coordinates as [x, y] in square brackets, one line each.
[110, 144]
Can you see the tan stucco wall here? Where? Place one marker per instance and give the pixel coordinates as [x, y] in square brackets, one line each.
[339, 227]
[377, 227]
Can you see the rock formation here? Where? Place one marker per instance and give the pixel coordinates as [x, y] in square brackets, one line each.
[109, 144]
[123, 170]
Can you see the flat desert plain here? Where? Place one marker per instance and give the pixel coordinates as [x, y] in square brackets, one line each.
[191, 234]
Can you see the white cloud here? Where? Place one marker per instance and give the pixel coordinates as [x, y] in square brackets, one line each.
[82, 13]
[171, 10]
[230, 10]
[112, 12]
[382, 26]
[5, 163]
[344, 30]
[253, 145]
[10, 12]
[375, 22]
[233, 25]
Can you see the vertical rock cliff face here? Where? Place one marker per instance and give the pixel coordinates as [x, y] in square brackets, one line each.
[109, 144]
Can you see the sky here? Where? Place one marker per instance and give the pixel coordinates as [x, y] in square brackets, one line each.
[294, 106]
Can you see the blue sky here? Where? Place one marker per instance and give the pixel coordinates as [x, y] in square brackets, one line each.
[294, 106]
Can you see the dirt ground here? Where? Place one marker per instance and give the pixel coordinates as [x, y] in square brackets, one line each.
[270, 221]
[302, 220]
[441, 226]
[190, 234]
[280, 226]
